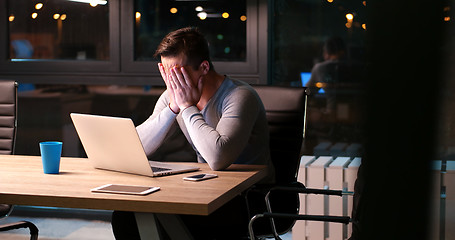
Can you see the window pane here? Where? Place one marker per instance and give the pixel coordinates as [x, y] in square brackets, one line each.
[297, 47]
[56, 29]
[300, 30]
[222, 22]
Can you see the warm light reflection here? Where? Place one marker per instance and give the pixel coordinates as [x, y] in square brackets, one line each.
[93, 4]
[364, 3]
[330, 1]
[320, 84]
[11, 18]
[56, 16]
[447, 19]
[38, 6]
[348, 24]
[63, 17]
[138, 15]
[202, 15]
[173, 10]
[349, 16]
[225, 15]
[34, 15]
[243, 18]
[199, 9]
[364, 26]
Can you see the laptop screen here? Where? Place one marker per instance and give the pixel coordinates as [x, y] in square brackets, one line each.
[305, 77]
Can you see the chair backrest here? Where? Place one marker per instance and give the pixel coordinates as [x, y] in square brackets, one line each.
[286, 112]
[8, 114]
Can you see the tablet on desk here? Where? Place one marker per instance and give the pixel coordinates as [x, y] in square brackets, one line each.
[125, 189]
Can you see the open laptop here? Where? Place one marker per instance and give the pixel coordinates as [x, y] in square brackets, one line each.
[112, 143]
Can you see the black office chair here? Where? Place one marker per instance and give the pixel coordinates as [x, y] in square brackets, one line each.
[8, 125]
[272, 216]
[286, 115]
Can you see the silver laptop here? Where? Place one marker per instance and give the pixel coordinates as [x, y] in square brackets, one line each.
[112, 143]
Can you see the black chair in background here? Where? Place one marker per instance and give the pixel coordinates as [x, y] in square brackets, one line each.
[8, 125]
[275, 213]
[285, 111]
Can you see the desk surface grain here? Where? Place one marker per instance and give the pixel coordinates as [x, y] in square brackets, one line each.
[22, 182]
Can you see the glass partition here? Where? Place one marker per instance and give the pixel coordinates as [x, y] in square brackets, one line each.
[300, 31]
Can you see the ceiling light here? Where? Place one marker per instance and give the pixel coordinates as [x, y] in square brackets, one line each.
[91, 2]
[202, 15]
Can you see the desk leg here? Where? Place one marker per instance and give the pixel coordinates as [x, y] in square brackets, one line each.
[147, 226]
[174, 226]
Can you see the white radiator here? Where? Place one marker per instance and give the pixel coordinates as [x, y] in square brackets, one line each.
[325, 172]
[340, 173]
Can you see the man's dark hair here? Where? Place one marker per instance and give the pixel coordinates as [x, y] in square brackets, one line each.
[188, 41]
[334, 45]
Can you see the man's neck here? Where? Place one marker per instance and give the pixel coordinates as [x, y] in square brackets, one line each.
[212, 82]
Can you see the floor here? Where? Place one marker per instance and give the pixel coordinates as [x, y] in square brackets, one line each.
[65, 224]
[67, 229]
[62, 224]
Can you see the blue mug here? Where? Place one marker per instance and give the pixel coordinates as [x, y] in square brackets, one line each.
[50, 155]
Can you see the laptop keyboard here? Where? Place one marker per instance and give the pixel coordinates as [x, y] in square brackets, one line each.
[159, 169]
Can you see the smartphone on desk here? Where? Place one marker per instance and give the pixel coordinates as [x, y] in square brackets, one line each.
[200, 177]
[125, 189]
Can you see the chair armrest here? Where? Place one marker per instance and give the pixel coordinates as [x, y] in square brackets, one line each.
[301, 189]
[320, 218]
[298, 187]
[311, 190]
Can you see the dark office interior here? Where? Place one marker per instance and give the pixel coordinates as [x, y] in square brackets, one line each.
[394, 94]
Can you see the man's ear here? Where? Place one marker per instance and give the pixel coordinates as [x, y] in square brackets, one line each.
[205, 67]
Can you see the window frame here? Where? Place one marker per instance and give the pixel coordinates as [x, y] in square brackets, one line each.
[242, 70]
[62, 66]
[121, 69]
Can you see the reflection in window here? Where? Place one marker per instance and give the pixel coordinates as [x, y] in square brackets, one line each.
[222, 22]
[58, 29]
[300, 28]
[335, 76]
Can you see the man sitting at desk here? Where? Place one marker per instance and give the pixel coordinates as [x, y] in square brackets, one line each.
[222, 118]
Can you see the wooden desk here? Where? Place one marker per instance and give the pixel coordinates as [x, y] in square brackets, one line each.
[22, 182]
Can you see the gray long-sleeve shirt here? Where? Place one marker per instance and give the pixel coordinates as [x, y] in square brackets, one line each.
[232, 127]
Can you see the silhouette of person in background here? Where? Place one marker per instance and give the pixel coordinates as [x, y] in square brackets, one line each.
[325, 73]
